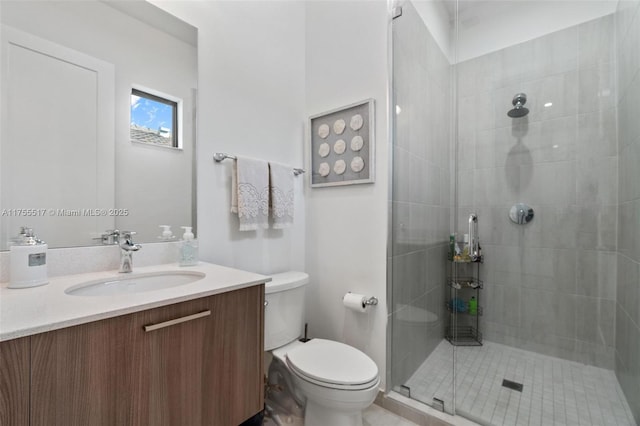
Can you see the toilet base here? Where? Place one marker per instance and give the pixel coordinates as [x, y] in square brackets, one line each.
[324, 406]
[317, 415]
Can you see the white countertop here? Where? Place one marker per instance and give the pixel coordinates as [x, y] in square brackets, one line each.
[24, 312]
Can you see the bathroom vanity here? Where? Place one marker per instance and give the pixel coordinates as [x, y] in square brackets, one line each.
[193, 357]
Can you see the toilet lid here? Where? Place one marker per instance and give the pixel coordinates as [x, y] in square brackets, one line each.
[330, 362]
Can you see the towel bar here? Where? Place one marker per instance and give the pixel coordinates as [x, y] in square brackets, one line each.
[219, 156]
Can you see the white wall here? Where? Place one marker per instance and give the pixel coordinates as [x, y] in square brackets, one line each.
[252, 68]
[251, 102]
[346, 61]
[438, 20]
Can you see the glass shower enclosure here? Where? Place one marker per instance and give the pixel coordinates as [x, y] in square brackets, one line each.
[421, 210]
[526, 123]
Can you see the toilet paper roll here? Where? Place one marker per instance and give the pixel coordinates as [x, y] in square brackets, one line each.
[354, 301]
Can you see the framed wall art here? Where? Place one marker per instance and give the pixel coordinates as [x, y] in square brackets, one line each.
[343, 145]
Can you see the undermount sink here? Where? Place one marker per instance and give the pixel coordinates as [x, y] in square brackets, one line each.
[134, 283]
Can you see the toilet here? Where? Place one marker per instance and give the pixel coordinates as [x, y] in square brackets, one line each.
[334, 381]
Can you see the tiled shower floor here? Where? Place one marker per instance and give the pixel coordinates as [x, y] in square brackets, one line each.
[555, 392]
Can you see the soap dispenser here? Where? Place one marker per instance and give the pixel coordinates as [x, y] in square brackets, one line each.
[167, 235]
[188, 248]
[28, 264]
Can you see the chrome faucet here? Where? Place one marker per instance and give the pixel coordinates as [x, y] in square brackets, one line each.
[110, 237]
[127, 247]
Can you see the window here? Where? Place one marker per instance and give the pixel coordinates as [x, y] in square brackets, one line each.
[154, 119]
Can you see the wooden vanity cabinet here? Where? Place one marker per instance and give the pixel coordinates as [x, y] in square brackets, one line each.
[207, 371]
[14, 382]
[200, 363]
[87, 374]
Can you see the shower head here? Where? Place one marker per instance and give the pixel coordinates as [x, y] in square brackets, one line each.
[518, 106]
[518, 112]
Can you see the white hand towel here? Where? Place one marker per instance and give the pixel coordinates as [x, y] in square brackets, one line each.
[281, 189]
[250, 193]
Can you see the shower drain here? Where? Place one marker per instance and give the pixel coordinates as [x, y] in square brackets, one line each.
[512, 385]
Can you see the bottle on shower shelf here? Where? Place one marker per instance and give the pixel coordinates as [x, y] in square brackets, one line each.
[457, 251]
[473, 306]
[452, 246]
[465, 257]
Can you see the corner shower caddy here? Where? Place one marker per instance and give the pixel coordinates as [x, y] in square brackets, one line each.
[463, 328]
[464, 283]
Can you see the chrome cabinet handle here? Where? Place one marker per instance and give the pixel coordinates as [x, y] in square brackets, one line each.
[169, 323]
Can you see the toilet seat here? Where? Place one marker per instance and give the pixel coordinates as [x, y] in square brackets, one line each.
[333, 365]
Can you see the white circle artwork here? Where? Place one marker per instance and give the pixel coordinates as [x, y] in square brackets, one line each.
[357, 164]
[356, 122]
[339, 167]
[339, 147]
[338, 126]
[324, 169]
[324, 150]
[323, 131]
[357, 143]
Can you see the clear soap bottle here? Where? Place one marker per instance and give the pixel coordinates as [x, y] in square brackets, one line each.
[466, 249]
[167, 235]
[188, 248]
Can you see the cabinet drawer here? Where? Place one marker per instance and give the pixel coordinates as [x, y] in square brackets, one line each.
[192, 363]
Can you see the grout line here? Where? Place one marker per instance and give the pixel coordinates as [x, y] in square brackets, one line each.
[555, 390]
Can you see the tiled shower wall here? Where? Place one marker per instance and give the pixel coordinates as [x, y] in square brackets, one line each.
[628, 289]
[420, 200]
[550, 285]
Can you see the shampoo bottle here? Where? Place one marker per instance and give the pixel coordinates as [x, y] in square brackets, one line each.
[188, 248]
[452, 246]
[473, 306]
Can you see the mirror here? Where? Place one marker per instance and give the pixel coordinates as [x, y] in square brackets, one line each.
[69, 167]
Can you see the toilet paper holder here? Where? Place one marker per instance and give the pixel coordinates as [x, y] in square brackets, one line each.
[371, 301]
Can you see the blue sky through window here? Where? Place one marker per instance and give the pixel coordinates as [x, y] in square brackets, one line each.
[152, 115]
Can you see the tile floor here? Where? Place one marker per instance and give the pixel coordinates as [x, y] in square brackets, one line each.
[378, 416]
[555, 392]
[372, 416]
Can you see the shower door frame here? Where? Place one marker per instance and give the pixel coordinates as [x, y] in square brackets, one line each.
[448, 406]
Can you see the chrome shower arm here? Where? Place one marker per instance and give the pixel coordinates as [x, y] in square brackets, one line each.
[473, 237]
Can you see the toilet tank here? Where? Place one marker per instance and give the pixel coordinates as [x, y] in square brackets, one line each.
[284, 309]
